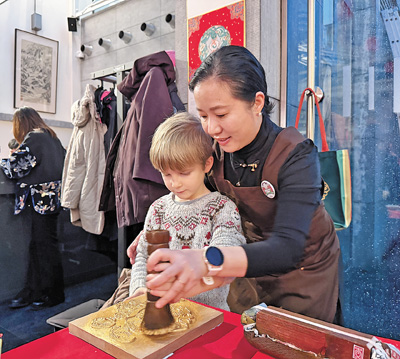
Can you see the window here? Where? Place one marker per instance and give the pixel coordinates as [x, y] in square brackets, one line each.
[86, 7]
[358, 69]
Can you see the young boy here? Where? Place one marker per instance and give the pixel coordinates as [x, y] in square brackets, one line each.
[194, 216]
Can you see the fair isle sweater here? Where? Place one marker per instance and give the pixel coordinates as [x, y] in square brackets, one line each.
[209, 220]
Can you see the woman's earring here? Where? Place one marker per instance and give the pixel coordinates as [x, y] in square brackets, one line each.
[260, 114]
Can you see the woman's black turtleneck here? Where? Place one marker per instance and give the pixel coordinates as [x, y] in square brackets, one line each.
[299, 188]
[255, 153]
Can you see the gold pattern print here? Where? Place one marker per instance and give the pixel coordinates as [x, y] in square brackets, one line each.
[122, 323]
[122, 335]
[183, 317]
[101, 323]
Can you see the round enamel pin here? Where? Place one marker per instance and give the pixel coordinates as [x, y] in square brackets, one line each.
[268, 189]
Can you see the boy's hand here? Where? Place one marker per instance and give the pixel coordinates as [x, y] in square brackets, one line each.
[136, 293]
[131, 251]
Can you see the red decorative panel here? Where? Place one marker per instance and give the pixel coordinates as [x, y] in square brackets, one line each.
[212, 30]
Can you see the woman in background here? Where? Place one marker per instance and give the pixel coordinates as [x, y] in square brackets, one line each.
[37, 167]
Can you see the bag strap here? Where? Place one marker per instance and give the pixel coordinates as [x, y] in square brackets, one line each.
[325, 146]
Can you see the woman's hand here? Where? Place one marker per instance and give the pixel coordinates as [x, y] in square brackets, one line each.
[131, 251]
[181, 273]
[200, 287]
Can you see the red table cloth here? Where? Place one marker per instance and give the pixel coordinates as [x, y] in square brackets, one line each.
[225, 341]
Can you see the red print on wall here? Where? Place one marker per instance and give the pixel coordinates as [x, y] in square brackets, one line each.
[212, 30]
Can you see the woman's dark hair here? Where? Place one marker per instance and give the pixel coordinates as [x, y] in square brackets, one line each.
[25, 120]
[239, 68]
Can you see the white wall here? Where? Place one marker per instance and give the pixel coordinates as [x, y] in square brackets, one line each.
[196, 8]
[128, 17]
[17, 14]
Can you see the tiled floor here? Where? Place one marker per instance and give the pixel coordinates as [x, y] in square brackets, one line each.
[20, 326]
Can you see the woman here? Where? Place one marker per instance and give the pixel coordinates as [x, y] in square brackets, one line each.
[272, 174]
[37, 166]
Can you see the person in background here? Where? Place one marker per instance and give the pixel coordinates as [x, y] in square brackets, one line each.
[37, 167]
[272, 174]
[194, 216]
[13, 145]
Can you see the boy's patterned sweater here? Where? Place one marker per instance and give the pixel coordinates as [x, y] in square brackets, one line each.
[210, 220]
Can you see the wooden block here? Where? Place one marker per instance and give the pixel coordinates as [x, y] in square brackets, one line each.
[143, 346]
[286, 335]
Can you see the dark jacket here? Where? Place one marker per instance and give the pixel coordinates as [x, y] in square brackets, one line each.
[131, 183]
[309, 288]
[37, 166]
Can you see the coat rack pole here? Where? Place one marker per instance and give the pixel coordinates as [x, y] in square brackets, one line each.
[122, 242]
[120, 100]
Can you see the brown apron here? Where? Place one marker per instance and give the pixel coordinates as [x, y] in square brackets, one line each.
[310, 289]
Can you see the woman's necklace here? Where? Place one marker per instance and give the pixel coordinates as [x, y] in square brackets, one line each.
[239, 167]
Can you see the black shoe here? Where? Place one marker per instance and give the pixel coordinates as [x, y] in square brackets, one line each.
[19, 303]
[46, 302]
[22, 299]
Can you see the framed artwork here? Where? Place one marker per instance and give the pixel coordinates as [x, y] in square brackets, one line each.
[35, 71]
[212, 30]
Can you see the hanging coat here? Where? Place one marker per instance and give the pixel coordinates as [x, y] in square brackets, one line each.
[131, 182]
[84, 165]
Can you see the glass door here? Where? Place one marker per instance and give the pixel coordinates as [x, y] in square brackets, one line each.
[357, 65]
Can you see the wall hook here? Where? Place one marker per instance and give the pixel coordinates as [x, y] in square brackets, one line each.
[125, 36]
[148, 28]
[106, 43]
[87, 49]
[170, 19]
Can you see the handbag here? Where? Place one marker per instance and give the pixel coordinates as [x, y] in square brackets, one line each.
[335, 172]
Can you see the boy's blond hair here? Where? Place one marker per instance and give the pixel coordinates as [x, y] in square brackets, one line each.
[179, 143]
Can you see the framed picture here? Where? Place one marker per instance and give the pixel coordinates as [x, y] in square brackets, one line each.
[35, 72]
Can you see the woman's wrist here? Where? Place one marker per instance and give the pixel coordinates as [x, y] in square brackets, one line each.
[213, 260]
[235, 262]
[223, 262]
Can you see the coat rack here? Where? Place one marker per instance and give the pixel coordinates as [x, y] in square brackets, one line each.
[115, 75]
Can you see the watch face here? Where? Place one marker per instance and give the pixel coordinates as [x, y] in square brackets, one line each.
[214, 256]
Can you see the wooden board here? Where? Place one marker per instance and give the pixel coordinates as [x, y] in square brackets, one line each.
[287, 335]
[143, 346]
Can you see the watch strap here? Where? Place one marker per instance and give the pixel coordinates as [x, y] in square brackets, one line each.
[212, 268]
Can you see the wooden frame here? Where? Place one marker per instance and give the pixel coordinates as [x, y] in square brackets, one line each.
[283, 334]
[35, 71]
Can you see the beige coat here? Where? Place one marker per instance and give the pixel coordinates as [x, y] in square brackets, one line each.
[84, 165]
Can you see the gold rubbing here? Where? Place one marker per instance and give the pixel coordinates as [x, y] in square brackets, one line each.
[123, 321]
